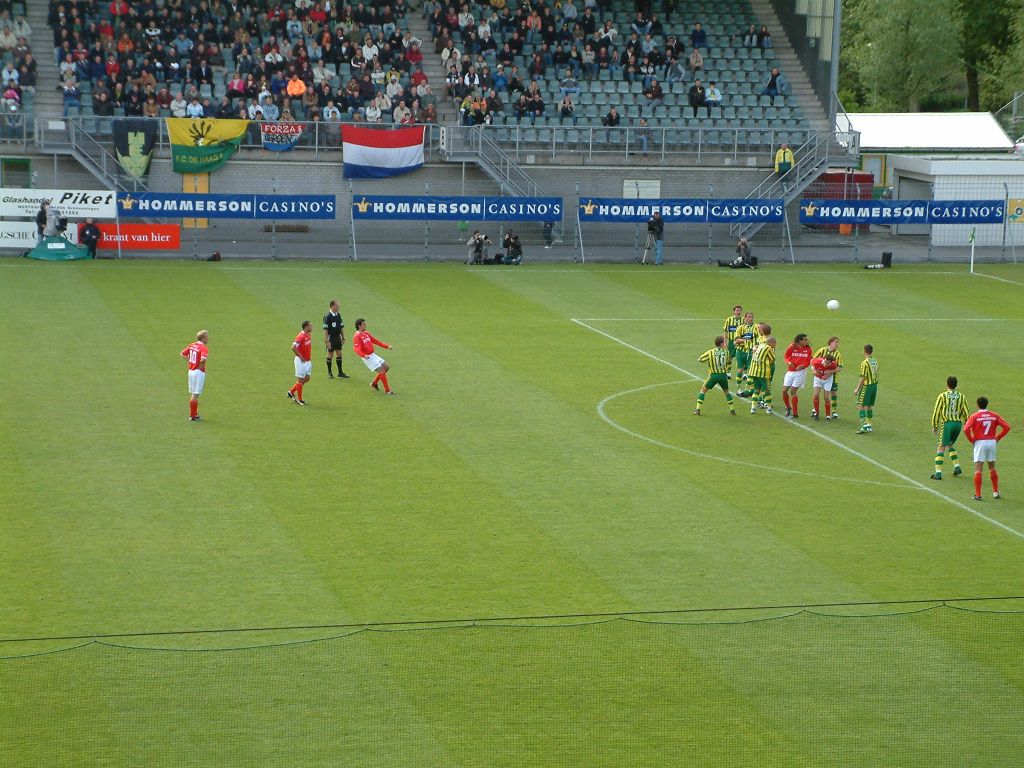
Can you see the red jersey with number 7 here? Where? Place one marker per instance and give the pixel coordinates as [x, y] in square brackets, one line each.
[363, 342]
[303, 346]
[196, 354]
[982, 425]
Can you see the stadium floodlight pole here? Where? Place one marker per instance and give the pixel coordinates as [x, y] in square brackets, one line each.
[837, 24]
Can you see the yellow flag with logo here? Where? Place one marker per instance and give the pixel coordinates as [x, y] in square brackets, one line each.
[204, 144]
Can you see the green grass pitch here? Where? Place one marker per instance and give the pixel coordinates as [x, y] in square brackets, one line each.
[540, 458]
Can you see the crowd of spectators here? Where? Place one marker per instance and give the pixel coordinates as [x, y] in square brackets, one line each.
[495, 57]
[252, 59]
[18, 74]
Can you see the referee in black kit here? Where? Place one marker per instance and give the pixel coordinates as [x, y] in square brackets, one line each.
[334, 339]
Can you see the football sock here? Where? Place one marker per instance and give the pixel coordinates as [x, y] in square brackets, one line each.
[938, 463]
[835, 399]
[785, 399]
[330, 368]
[815, 400]
[376, 380]
[193, 408]
[729, 402]
[828, 407]
[863, 416]
[295, 388]
[994, 477]
[384, 381]
[298, 390]
[700, 400]
[977, 483]
[796, 402]
[954, 457]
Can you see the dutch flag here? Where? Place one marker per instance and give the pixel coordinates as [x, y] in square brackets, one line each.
[372, 153]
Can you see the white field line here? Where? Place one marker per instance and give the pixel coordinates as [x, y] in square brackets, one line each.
[821, 436]
[1000, 279]
[640, 436]
[830, 318]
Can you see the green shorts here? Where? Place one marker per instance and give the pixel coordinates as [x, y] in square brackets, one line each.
[950, 432]
[759, 383]
[717, 380]
[742, 359]
[867, 395]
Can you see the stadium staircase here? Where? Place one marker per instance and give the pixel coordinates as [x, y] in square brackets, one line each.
[471, 144]
[822, 151]
[433, 68]
[48, 99]
[800, 86]
[72, 137]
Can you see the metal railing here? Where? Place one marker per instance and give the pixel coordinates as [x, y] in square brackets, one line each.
[16, 128]
[811, 158]
[699, 145]
[317, 136]
[1011, 116]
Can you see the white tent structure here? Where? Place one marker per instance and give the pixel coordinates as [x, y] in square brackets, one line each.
[932, 133]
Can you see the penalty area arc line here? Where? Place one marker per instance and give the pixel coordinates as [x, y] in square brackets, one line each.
[739, 462]
[832, 441]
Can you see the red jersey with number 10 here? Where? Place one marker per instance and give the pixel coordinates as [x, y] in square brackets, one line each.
[363, 342]
[303, 346]
[982, 425]
[798, 357]
[196, 354]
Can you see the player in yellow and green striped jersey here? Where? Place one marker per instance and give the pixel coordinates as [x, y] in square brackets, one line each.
[761, 364]
[717, 360]
[731, 328]
[744, 343]
[948, 417]
[761, 332]
[867, 389]
[832, 348]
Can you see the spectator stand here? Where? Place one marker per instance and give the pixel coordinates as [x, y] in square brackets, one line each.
[531, 67]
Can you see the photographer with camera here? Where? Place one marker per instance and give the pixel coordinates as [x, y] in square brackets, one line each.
[743, 258]
[55, 222]
[513, 249]
[656, 232]
[479, 246]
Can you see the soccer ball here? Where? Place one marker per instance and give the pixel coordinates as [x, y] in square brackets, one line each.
[832, 304]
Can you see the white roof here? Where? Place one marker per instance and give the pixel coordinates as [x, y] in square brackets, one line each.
[929, 131]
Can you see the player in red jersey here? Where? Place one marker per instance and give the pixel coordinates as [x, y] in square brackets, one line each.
[302, 347]
[196, 354]
[798, 360]
[824, 368]
[985, 428]
[363, 344]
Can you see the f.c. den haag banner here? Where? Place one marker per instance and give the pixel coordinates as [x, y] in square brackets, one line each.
[203, 145]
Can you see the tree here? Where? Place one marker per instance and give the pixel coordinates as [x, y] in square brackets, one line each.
[905, 52]
[986, 30]
[1006, 73]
